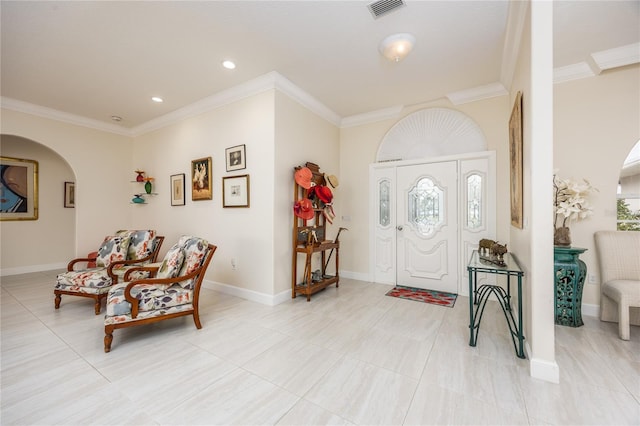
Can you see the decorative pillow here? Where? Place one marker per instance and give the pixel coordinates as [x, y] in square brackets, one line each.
[141, 245]
[172, 263]
[112, 249]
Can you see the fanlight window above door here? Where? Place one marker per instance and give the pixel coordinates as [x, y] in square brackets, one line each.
[425, 206]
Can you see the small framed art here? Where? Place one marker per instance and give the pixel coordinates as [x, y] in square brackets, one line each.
[177, 190]
[235, 191]
[201, 179]
[69, 195]
[19, 187]
[236, 158]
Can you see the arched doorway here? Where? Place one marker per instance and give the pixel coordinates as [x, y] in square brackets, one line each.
[45, 243]
[433, 199]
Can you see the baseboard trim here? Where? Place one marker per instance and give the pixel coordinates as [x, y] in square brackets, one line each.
[544, 370]
[253, 296]
[355, 276]
[32, 268]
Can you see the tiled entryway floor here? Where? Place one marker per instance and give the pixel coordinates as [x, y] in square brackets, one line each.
[350, 356]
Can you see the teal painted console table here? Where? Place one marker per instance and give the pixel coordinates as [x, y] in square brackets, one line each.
[478, 296]
[569, 275]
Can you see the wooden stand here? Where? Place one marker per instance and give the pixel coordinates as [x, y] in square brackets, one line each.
[309, 237]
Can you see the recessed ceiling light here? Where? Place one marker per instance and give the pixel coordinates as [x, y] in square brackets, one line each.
[228, 64]
[157, 99]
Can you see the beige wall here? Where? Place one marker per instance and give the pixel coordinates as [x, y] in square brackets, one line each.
[243, 234]
[300, 136]
[596, 123]
[54, 230]
[101, 163]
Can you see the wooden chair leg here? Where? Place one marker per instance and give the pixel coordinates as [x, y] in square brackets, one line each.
[196, 319]
[57, 300]
[97, 305]
[108, 338]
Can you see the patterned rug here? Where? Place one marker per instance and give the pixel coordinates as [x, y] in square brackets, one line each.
[427, 296]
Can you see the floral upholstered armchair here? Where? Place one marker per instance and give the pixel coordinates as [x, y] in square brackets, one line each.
[116, 255]
[172, 289]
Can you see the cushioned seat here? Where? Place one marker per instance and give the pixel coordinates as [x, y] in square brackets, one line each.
[619, 258]
[171, 290]
[116, 255]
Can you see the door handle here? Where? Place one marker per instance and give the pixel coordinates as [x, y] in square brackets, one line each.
[399, 228]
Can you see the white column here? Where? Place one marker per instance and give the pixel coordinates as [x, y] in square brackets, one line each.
[543, 364]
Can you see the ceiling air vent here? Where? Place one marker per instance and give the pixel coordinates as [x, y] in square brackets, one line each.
[382, 7]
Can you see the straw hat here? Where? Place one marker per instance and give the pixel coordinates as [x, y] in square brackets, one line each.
[332, 179]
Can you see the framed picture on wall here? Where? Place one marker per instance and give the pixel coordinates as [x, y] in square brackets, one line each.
[201, 179]
[236, 158]
[177, 190]
[19, 186]
[235, 191]
[69, 195]
[515, 155]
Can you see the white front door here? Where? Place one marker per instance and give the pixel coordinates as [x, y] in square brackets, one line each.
[426, 226]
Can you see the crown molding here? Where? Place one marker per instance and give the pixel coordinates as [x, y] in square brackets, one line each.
[371, 117]
[617, 57]
[270, 81]
[572, 72]
[285, 86]
[225, 97]
[477, 93]
[65, 117]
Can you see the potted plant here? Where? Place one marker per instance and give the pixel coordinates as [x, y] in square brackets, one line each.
[570, 203]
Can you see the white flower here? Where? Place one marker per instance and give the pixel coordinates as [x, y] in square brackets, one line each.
[570, 200]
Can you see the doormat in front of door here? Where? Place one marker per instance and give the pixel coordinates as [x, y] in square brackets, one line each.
[427, 296]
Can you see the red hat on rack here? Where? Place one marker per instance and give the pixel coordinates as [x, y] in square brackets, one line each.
[303, 209]
[303, 177]
[324, 193]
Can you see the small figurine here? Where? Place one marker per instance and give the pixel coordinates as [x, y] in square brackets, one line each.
[484, 246]
[498, 250]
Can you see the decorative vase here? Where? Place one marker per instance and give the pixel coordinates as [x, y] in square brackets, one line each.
[147, 187]
[138, 199]
[140, 177]
[562, 236]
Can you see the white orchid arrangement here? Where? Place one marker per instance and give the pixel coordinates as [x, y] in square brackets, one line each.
[570, 200]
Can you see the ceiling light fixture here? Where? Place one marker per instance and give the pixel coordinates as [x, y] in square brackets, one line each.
[157, 99]
[116, 118]
[397, 46]
[228, 64]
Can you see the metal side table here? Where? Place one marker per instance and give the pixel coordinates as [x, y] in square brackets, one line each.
[478, 296]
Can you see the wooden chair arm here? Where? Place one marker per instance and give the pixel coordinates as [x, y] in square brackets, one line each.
[165, 282]
[79, 260]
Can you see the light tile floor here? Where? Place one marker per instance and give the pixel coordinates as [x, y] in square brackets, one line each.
[350, 356]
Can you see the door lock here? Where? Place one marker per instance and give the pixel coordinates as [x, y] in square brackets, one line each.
[399, 228]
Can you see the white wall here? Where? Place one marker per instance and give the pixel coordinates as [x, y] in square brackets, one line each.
[54, 230]
[101, 163]
[596, 124]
